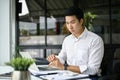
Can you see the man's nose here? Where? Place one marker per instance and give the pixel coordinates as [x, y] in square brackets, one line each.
[70, 26]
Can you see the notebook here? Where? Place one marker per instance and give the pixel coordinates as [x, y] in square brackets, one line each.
[34, 66]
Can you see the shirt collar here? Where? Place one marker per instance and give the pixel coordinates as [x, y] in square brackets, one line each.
[83, 34]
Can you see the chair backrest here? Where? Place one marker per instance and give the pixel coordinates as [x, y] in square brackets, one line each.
[116, 66]
[110, 66]
[107, 61]
[110, 77]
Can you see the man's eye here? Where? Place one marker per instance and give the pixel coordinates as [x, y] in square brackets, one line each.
[67, 23]
[72, 22]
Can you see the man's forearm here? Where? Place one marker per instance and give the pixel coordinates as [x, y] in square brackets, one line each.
[73, 68]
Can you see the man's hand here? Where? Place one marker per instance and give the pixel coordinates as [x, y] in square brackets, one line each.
[56, 63]
[51, 58]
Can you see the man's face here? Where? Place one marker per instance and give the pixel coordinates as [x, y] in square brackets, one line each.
[74, 25]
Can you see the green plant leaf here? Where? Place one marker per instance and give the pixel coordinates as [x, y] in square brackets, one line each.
[21, 64]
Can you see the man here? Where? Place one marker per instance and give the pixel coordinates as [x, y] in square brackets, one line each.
[82, 50]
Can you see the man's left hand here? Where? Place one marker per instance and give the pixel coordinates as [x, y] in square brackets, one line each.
[56, 63]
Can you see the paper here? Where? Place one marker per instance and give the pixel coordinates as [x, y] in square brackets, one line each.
[34, 72]
[5, 69]
[65, 76]
[61, 74]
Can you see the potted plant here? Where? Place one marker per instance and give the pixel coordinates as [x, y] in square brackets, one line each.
[20, 66]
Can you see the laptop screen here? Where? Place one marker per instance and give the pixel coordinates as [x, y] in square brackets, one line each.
[27, 55]
[34, 66]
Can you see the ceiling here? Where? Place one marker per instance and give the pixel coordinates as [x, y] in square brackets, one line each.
[56, 8]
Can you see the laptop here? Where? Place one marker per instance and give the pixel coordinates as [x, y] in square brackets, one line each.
[51, 72]
[34, 66]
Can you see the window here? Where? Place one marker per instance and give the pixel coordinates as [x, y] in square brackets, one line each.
[42, 29]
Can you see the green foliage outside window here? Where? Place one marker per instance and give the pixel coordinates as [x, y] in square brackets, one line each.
[88, 19]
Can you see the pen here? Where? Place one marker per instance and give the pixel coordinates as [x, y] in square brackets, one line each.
[51, 73]
[46, 74]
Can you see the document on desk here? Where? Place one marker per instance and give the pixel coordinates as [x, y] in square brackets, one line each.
[5, 71]
[39, 73]
[58, 75]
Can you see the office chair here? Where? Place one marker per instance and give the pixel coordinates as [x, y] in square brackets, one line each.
[110, 77]
[110, 67]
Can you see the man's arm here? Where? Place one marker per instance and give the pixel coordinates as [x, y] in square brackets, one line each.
[56, 63]
[73, 68]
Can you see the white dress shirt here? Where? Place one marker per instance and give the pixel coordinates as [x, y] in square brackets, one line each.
[86, 52]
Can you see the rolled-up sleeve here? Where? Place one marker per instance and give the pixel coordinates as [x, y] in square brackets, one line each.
[83, 68]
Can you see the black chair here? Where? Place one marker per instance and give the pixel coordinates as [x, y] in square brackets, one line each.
[116, 72]
[107, 61]
[110, 77]
[110, 67]
[116, 66]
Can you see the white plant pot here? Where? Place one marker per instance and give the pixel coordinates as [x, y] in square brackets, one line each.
[21, 75]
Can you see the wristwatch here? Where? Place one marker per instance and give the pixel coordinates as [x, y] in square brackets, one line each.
[65, 66]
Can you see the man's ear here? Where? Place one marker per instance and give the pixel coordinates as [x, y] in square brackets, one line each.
[81, 21]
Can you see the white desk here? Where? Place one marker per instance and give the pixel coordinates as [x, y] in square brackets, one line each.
[8, 69]
[32, 78]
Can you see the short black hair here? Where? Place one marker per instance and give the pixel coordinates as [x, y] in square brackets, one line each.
[78, 12]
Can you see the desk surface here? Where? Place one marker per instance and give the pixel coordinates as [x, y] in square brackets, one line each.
[9, 78]
[7, 69]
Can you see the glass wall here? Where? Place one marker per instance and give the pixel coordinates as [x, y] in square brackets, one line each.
[115, 21]
[42, 28]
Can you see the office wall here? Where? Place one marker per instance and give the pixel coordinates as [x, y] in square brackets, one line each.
[7, 24]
